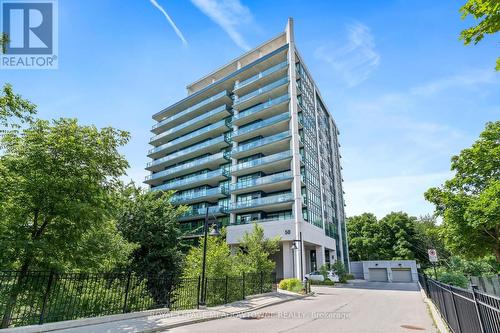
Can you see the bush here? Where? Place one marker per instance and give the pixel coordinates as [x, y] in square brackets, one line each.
[294, 285]
[455, 279]
[349, 277]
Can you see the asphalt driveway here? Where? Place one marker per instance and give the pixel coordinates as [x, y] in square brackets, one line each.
[362, 307]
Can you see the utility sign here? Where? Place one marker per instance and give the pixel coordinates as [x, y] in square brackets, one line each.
[433, 257]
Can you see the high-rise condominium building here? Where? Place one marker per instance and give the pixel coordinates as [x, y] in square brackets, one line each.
[255, 143]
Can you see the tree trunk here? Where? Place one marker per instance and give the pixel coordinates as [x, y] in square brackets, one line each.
[16, 290]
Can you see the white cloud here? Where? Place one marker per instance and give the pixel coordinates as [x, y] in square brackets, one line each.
[230, 15]
[384, 195]
[356, 59]
[169, 19]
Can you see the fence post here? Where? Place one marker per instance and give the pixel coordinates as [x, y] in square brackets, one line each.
[474, 287]
[243, 285]
[198, 294]
[225, 297]
[261, 282]
[455, 308]
[46, 297]
[127, 287]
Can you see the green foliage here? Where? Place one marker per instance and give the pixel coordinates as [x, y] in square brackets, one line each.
[324, 271]
[454, 278]
[327, 282]
[4, 41]
[488, 12]
[293, 284]
[56, 186]
[254, 251]
[14, 108]
[219, 261]
[470, 202]
[429, 237]
[391, 238]
[339, 269]
[150, 220]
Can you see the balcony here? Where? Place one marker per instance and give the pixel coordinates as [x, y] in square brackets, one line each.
[210, 146]
[211, 178]
[291, 218]
[204, 133]
[208, 162]
[265, 127]
[191, 230]
[272, 183]
[262, 78]
[266, 146]
[208, 195]
[270, 163]
[270, 108]
[193, 214]
[207, 118]
[271, 90]
[193, 111]
[273, 203]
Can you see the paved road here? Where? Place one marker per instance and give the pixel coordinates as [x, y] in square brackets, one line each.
[369, 307]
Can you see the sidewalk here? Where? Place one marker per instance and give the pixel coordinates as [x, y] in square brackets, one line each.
[156, 320]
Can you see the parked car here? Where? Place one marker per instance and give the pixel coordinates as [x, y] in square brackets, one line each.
[332, 276]
[315, 276]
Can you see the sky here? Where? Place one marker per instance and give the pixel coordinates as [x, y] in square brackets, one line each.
[405, 93]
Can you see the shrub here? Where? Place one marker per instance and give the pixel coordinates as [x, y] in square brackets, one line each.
[455, 279]
[349, 277]
[293, 284]
[327, 282]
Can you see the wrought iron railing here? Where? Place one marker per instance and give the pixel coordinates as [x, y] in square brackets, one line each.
[463, 310]
[32, 298]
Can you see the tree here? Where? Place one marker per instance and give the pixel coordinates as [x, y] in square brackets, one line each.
[392, 238]
[363, 233]
[488, 11]
[4, 41]
[14, 108]
[219, 261]
[56, 186]
[470, 202]
[429, 237]
[150, 220]
[255, 251]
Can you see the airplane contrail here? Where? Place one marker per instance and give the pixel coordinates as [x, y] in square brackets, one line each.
[172, 23]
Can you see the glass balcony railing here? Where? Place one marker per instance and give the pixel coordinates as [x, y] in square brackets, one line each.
[260, 107]
[193, 195]
[188, 136]
[187, 150]
[206, 115]
[274, 199]
[188, 165]
[272, 219]
[260, 91]
[196, 178]
[262, 180]
[192, 108]
[261, 142]
[261, 124]
[262, 160]
[266, 72]
[213, 210]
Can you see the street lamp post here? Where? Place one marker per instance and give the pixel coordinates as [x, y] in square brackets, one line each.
[294, 247]
[214, 232]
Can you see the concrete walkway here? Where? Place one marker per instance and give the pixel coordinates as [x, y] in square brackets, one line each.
[152, 321]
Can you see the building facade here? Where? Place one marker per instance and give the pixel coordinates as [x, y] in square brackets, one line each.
[255, 143]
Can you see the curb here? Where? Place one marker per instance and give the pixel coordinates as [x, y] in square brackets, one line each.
[222, 316]
[436, 316]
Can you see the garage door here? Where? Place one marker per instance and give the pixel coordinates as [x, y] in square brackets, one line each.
[377, 274]
[401, 275]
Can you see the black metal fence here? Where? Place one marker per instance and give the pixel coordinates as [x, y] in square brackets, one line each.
[42, 297]
[464, 311]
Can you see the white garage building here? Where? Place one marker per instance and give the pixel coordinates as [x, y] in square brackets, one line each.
[385, 270]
